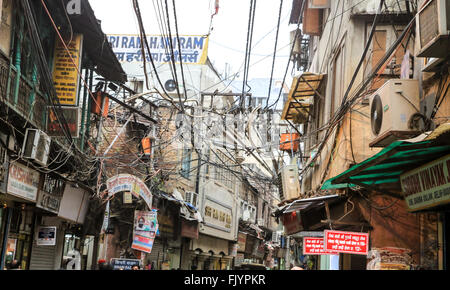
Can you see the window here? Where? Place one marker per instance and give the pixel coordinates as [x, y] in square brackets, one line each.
[338, 80]
[383, 38]
[186, 163]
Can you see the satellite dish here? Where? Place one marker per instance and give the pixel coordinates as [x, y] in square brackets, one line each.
[376, 114]
[170, 85]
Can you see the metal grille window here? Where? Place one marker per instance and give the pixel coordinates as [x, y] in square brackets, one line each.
[223, 173]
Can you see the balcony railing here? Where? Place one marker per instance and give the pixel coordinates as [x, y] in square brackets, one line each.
[27, 101]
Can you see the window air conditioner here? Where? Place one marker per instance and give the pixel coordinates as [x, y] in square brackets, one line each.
[36, 146]
[289, 185]
[391, 109]
[433, 28]
[192, 198]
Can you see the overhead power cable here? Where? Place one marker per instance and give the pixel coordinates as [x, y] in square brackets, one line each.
[274, 54]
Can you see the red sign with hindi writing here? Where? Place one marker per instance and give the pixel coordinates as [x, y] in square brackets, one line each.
[346, 242]
[314, 246]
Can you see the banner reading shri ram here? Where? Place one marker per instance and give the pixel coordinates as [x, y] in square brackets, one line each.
[128, 48]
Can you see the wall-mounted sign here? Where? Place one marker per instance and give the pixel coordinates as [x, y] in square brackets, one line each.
[217, 215]
[428, 185]
[346, 242]
[314, 246]
[74, 203]
[242, 240]
[194, 48]
[72, 117]
[292, 223]
[124, 264]
[128, 182]
[166, 223]
[23, 181]
[46, 236]
[49, 197]
[189, 229]
[65, 74]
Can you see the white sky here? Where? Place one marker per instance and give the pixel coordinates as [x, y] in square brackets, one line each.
[228, 38]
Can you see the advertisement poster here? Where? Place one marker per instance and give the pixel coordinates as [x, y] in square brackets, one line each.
[346, 242]
[143, 240]
[23, 181]
[65, 74]
[46, 236]
[194, 48]
[145, 221]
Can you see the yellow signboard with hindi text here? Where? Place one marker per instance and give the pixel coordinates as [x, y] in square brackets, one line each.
[65, 73]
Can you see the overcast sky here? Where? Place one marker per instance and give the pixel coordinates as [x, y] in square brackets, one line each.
[228, 37]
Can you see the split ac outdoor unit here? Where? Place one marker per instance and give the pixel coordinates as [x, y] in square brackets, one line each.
[289, 183]
[192, 198]
[391, 109]
[433, 28]
[36, 146]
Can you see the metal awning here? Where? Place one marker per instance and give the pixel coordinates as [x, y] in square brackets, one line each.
[382, 171]
[96, 44]
[306, 204]
[301, 97]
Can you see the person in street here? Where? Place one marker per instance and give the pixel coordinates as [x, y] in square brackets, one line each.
[295, 266]
[14, 265]
[135, 267]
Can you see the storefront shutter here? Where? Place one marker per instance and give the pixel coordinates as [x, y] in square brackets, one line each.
[42, 257]
[157, 252]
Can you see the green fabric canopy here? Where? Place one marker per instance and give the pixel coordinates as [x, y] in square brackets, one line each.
[385, 167]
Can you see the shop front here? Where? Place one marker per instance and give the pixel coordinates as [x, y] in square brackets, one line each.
[407, 181]
[427, 188]
[166, 250]
[60, 214]
[17, 220]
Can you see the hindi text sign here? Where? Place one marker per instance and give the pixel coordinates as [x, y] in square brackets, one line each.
[346, 242]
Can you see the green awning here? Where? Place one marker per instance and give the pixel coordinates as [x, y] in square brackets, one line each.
[384, 168]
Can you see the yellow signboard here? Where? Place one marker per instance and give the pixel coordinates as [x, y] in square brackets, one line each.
[65, 74]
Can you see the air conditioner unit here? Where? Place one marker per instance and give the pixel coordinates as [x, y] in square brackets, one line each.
[433, 28]
[36, 146]
[192, 198]
[170, 85]
[289, 183]
[391, 109]
[297, 46]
